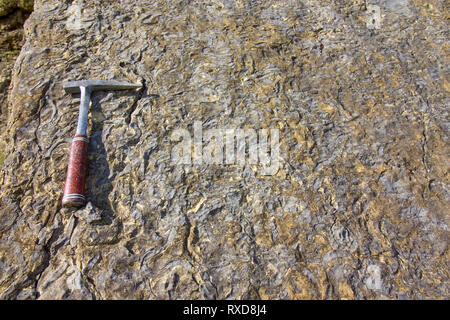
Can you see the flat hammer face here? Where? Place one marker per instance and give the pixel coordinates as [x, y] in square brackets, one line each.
[76, 171]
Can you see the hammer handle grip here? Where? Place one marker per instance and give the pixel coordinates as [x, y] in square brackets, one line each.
[76, 173]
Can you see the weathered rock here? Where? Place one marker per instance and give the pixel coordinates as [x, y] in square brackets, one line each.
[11, 40]
[358, 208]
[8, 6]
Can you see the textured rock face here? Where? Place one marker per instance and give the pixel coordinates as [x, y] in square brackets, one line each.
[12, 17]
[357, 209]
[8, 6]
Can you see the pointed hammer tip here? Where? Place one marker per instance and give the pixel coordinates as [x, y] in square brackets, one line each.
[97, 85]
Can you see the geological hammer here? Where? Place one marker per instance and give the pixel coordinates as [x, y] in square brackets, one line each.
[76, 170]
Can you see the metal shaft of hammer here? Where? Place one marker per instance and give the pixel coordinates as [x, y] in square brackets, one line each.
[84, 110]
[74, 188]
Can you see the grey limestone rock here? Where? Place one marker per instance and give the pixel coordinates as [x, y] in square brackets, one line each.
[358, 208]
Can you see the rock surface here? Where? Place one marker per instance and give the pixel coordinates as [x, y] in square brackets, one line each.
[9, 6]
[357, 210]
[12, 17]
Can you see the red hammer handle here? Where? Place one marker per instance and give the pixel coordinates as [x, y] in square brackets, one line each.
[76, 173]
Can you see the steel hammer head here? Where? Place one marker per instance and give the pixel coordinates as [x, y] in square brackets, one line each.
[96, 85]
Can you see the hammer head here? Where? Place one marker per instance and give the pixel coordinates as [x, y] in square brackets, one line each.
[97, 85]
